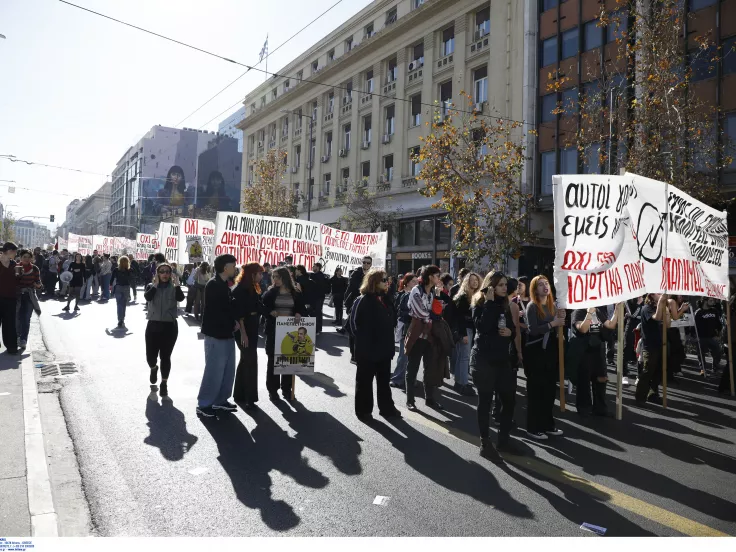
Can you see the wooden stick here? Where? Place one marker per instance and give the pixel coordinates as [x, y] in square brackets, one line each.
[561, 358]
[730, 349]
[293, 385]
[664, 354]
[620, 362]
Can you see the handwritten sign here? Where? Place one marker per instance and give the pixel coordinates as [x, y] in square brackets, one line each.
[610, 241]
[197, 240]
[346, 250]
[169, 241]
[145, 245]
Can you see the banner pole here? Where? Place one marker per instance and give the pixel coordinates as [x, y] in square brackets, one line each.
[730, 349]
[665, 267]
[293, 384]
[620, 361]
[561, 360]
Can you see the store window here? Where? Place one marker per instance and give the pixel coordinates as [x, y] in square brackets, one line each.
[406, 233]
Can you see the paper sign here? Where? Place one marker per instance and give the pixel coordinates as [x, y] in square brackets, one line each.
[169, 241]
[294, 345]
[610, 241]
[197, 240]
[146, 245]
[345, 250]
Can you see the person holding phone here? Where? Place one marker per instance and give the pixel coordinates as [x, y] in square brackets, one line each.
[248, 309]
[541, 363]
[162, 297]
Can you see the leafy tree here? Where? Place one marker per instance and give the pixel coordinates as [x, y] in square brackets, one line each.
[364, 210]
[268, 196]
[7, 232]
[643, 91]
[472, 164]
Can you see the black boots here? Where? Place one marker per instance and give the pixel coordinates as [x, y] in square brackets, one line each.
[599, 399]
[489, 452]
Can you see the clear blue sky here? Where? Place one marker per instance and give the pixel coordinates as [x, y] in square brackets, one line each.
[77, 90]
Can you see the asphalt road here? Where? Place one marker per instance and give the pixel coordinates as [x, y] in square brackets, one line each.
[152, 468]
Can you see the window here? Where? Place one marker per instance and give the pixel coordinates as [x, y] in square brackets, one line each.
[480, 80]
[570, 103]
[368, 31]
[314, 111]
[418, 52]
[326, 184]
[273, 132]
[346, 137]
[298, 116]
[349, 44]
[570, 43]
[367, 122]
[702, 64]
[331, 102]
[345, 176]
[298, 156]
[388, 167]
[592, 159]
[700, 4]
[331, 56]
[549, 104]
[315, 66]
[407, 232]
[300, 75]
[286, 85]
[549, 51]
[263, 101]
[592, 35]
[448, 41]
[549, 168]
[446, 96]
[312, 151]
[443, 231]
[549, 4]
[729, 56]
[261, 136]
[390, 114]
[415, 166]
[729, 131]
[391, 16]
[569, 160]
[274, 94]
[482, 22]
[369, 81]
[418, 3]
[416, 110]
[348, 92]
[592, 91]
[328, 144]
[365, 169]
[391, 73]
[618, 25]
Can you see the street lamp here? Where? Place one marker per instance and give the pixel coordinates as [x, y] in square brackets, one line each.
[310, 184]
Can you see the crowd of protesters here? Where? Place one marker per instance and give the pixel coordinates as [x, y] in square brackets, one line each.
[477, 331]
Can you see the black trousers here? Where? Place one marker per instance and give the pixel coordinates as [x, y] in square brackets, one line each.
[246, 376]
[7, 319]
[160, 340]
[364, 375]
[592, 366]
[501, 378]
[651, 373]
[317, 309]
[338, 301]
[420, 350]
[541, 385]
[274, 381]
[629, 338]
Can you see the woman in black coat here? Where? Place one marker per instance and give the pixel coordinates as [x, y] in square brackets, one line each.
[247, 295]
[490, 362]
[282, 299]
[339, 285]
[372, 321]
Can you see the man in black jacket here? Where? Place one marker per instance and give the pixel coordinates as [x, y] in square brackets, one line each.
[356, 279]
[219, 322]
[321, 289]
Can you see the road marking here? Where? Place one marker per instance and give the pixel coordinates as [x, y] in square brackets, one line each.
[381, 500]
[605, 494]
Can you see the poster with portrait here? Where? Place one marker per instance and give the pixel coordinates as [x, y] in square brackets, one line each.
[295, 345]
[196, 240]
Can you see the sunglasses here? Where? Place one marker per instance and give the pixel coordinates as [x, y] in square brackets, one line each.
[367, 262]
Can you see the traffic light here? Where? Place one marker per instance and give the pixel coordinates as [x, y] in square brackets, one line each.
[51, 218]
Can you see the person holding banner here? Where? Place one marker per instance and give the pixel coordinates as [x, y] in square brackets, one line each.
[282, 299]
[592, 328]
[248, 309]
[654, 313]
[541, 359]
[372, 322]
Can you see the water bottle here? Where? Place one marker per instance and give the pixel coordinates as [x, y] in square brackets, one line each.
[502, 322]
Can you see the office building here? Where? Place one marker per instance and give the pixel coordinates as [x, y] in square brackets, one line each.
[86, 215]
[369, 88]
[29, 234]
[229, 127]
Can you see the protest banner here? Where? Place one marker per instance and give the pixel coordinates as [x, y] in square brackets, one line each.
[255, 238]
[345, 250]
[62, 244]
[197, 240]
[123, 246]
[146, 245]
[168, 233]
[79, 244]
[102, 244]
[294, 345]
[619, 237]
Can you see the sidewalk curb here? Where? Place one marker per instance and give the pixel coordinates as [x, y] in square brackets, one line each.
[40, 500]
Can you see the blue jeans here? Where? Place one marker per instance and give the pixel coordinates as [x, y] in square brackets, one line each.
[105, 283]
[400, 373]
[121, 297]
[219, 372]
[462, 361]
[24, 313]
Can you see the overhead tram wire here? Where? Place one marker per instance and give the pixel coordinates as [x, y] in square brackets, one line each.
[261, 61]
[250, 67]
[14, 159]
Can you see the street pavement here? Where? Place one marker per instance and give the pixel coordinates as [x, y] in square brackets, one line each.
[150, 467]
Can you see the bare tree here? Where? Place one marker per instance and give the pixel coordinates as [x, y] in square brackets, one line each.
[365, 210]
[268, 195]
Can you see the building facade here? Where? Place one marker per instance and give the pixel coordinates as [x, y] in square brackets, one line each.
[229, 127]
[364, 95]
[70, 223]
[86, 215]
[31, 234]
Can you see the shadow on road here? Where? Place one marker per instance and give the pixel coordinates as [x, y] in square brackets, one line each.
[323, 381]
[118, 333]
[9, 362]
[168, 428]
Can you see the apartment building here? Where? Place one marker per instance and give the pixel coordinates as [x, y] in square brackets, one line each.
[353, 107]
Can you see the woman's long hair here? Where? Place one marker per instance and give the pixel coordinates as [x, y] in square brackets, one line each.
[285, 275]
[169, 184]
[408, 277]
[465, 290]
[247, 277]
[550, 304]
[490, 281]
[371, 280]
[123, 263]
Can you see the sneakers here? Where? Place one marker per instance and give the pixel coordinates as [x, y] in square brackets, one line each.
[538, 435]
[227, 406]
[206, 412]
[76, 308]
[163, 390]
[555, 432]
[624, 381]
[489, 452]
[66, 309]
[391, 413]
[22, 343]
[154, 375]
